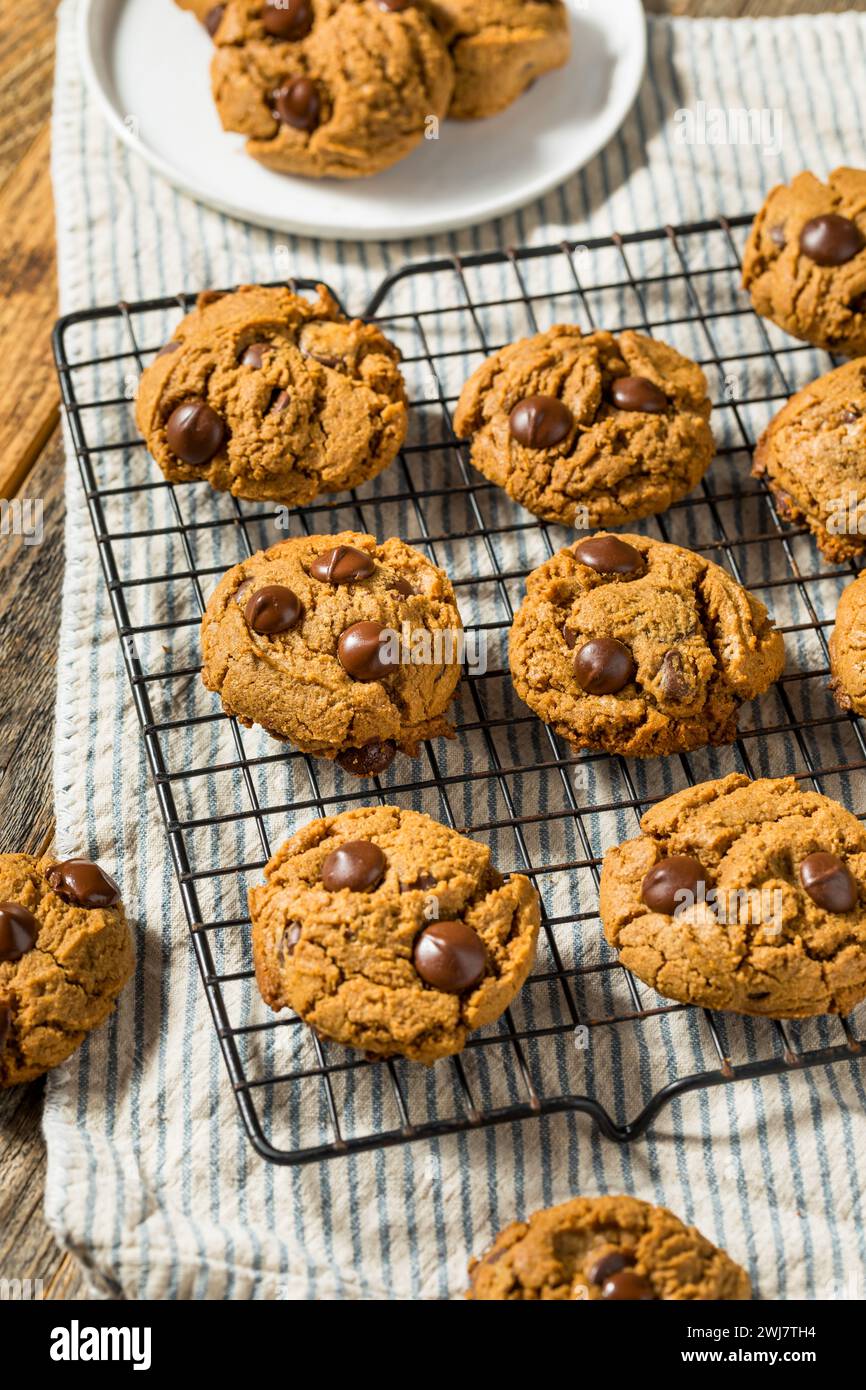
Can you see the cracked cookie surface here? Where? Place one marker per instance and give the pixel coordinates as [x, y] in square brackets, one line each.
[848, 648]
[297, 681]
[586, 460]
[813, 455]
[348, 97]
[499, 48]
[778, 927]
[355, 959]
[65, 954]
[638, 647]
[267, 395]
[604, 1248]
[805, 260]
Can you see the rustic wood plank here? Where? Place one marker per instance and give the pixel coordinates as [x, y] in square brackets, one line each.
[26, 74]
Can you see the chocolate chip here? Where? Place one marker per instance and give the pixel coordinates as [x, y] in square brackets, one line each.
[606, 1265]
[603, 666]
[450, 956]
[253, 355]
[609, 555]
[289, 940]
[368, 760]
[343, 565]
[638, 393]
[360, 651]
[668, 879]
[273, 609]
[570, 637]
[422, 883]
[82, 883]
[279, 400]
[672, 679]
[777, 236]
[194, 431]
[831, 239]
[540, 422]
[288, 19]
[850, 416]
[212, 19]
[395, 5]
[171, 346]
[18, 931]
[829, 882]
[297, 104]
[358, 864]
[402, 586]
[627, 1285]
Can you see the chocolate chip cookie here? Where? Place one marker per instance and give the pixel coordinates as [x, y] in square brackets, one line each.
[588, 430]
[267, 395]
[346, 648]
[499, 48]
[65, 955]
[813, 455]
[805, 260]
[389, 932]
[848, 648]
[638, 647]
[320, 88]
[748, 896]
[611, 1248]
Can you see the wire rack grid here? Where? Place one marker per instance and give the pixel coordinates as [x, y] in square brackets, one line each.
[584, 1035]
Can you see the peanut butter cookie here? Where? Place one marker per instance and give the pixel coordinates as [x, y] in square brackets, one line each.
[588, 430]
[267, 395]
[848, 648]
[748, 896]
[387, 931]
[638, 647]
[611, 1248]
[813, 455]
[346, 648]
[65, 955]
[499, 48]
[805, 260]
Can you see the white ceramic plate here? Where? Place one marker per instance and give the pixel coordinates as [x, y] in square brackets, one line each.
[147, 62]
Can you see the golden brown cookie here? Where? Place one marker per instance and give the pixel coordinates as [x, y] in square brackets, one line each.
[848, 648]
[265, 394]
[611, 1248]
[499, 48]
[389, 932]
[748, 896]
[323, 88]
[805, 261]
[813, 455]
[588, 430]
[638, 647]
[346, 648]
[65, 955]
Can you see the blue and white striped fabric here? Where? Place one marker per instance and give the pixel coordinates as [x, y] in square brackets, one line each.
[151, 1181]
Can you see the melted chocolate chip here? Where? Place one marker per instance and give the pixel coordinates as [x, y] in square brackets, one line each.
[171, 346]
[570, 637]
[18, 931]
[777, 236]
[361, 651]
[423, 883]
[666, 880]
[288, 19]
[603, 666]
[831, 239]
[850, 416]
[273, 609]
[368, 760]
[540, 422]
[357, 864]
[343, 565]
[829, 882]
[194, 431]
[672, 678]
[297, 104]
[279, 400]
[212, 19]
[450, 956]
[254, 355]
[395, 5]
[609, 555]
[606, 1265]
[638, 393]
[627, 1284]
[289, 940]
[402, 586]
[82, 883]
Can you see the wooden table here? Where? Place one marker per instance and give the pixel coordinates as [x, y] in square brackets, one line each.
[31, 465]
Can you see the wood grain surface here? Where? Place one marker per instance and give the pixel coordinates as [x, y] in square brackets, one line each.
[31, 466]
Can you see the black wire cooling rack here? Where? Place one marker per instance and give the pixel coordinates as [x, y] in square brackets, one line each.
[583, 1036]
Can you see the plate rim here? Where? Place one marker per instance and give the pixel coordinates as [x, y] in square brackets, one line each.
[306, 228]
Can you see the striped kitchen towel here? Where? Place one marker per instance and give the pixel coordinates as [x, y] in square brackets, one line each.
[151, 1180]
